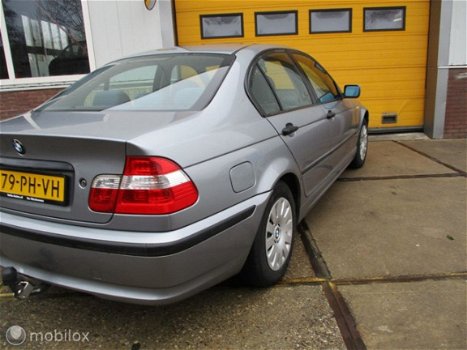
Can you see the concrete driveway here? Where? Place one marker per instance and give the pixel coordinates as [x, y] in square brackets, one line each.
[380, 263]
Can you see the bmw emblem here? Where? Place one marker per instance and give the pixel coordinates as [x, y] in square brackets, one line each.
[18, 146]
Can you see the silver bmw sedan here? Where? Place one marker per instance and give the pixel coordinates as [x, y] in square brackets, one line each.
[159, 175]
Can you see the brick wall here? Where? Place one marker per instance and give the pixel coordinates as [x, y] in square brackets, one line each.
[455, 122]
[17, 102]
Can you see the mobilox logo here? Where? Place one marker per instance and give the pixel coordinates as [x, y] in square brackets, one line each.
[17, 335]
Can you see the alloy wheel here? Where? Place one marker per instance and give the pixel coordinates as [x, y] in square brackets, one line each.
[279, 230]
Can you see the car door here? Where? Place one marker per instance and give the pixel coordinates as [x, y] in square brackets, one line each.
[280, 91]
[342, 122]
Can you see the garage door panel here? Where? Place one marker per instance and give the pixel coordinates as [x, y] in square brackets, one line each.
[407, 112]
[403, 76]
[390, 66]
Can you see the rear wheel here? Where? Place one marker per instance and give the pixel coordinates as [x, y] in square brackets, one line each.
[272, 248]
[362, 147]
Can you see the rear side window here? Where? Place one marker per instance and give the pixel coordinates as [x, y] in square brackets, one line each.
[285, 80]
[163, 82]
[324, 86]
[262, 93]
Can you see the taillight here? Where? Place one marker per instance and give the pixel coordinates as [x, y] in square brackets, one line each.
[149, 185]
[104, 192]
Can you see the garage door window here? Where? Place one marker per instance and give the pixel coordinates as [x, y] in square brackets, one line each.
[276, 23]
[330, 21]
[222, 26]
[384, 18]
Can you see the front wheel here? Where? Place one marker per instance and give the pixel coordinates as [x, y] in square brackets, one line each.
[272, 248]
[362, 147]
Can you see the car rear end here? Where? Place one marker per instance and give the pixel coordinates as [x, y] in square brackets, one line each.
[93, 199]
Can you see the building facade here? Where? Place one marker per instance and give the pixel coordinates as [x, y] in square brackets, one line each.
[409, 57]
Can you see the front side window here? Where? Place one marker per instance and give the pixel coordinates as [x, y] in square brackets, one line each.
[322, 83]
[46, 37]
[285, 80]
[162, 82]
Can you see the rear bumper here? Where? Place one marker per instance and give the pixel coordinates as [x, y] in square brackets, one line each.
[139, 267]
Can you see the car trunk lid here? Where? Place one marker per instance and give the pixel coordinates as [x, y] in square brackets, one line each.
[62, 153]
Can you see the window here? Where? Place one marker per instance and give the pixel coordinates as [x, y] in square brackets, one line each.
[324, 86]
[3, 69]
[222, 26]
[46, 37]
[160, 82]
[262, 93]
[330, 21]
[276, 23]
[384, 18]
[286, 82]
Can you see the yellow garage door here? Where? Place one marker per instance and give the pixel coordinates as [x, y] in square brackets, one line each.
[382, 46]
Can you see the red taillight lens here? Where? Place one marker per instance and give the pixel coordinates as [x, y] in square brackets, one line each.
[150, 185]
[104, 192]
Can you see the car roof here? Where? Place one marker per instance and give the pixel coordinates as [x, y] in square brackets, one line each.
[212, 48]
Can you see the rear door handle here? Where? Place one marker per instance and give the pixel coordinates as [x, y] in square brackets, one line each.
[289, 129]
[330, 114]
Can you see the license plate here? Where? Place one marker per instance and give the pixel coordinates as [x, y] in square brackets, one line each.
[32, 187]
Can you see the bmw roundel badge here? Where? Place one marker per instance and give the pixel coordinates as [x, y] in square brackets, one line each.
[18, 146]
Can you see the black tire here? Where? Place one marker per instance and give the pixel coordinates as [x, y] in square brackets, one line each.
[362, 147]
[257, 270]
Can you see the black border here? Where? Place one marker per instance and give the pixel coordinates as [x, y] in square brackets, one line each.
[276, 13]
[221, 15]
[174, 22]
[349, 10]
[404, 10]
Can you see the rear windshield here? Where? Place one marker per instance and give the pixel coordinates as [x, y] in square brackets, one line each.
[168, 82]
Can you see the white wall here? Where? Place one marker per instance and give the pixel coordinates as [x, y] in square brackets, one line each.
[458, 39]
[125, 27]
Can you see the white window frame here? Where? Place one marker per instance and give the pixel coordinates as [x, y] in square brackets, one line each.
[61, 81]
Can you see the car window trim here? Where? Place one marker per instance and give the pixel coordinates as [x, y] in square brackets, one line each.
[254, 62]
[263, 73]
[340, 96]
[311, 90]
[297, 70]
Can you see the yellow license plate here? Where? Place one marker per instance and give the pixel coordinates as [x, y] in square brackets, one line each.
[32, 187]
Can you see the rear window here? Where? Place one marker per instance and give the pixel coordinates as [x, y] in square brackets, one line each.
[167, 82]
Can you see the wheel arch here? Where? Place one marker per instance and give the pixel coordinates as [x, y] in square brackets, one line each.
[365, 116]
[292, 181]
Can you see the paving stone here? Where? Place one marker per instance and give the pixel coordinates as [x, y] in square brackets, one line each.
[416, 315]
[284, 317]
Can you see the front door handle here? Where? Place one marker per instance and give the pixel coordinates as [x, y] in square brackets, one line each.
[330, 114]
[289, 129]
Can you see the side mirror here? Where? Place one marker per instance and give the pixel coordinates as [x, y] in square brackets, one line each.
[351, 91]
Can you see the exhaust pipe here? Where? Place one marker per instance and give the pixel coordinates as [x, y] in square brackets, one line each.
[22, 286]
